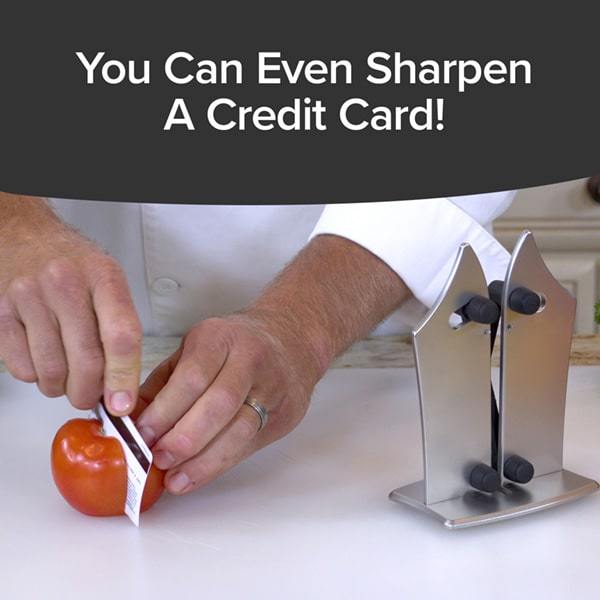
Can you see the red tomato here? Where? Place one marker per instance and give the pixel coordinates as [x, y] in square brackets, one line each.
[90, 472]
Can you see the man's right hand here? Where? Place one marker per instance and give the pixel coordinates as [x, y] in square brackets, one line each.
[67, 320]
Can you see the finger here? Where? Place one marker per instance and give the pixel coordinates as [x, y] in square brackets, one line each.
[121, 337]
[232, 445]
[207, 417]
[68, 297]
[14, 351]
[196, 369]
[140, 407]
[159, 377]
[153, 384]
[43, 338]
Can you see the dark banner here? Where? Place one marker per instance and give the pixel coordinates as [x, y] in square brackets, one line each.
[304, 102]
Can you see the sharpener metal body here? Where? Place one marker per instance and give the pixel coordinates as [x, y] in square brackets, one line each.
[453, 362]
[454, 371]
[534, 366]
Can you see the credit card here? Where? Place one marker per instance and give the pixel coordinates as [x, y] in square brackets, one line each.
[137, 456]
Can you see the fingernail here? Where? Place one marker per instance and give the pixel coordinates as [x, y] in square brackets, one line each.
[147, 434]
[178, 482]
[163, 459]
[121, 402]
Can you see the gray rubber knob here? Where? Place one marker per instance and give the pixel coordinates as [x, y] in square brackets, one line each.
[484, 478]
[518, 469]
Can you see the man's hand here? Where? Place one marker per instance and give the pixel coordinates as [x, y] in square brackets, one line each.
[275, 352]
[197, 395]
[67, 321]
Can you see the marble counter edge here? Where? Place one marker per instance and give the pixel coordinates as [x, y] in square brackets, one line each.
[373, 352]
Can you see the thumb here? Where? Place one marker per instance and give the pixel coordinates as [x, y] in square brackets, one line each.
[121, 337]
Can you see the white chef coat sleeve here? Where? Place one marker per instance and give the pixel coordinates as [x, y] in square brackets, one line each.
[419, 239]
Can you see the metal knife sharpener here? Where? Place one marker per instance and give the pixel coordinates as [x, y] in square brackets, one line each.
[487, 461]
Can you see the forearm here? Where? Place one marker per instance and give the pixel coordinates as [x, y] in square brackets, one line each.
[28, 230]
[25, 217]
[333, 293]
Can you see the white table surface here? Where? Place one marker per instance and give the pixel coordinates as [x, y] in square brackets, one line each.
[306, 518]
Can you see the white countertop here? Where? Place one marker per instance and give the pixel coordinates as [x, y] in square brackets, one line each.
[305, 518]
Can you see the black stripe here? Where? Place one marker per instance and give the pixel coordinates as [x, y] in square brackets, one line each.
[128, 438]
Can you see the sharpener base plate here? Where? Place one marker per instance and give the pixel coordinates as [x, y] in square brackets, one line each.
[514, 500]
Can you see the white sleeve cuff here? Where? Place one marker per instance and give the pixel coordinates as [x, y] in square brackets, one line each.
[418, 239]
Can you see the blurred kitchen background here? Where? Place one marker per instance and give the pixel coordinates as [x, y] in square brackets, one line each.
[565, 220]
